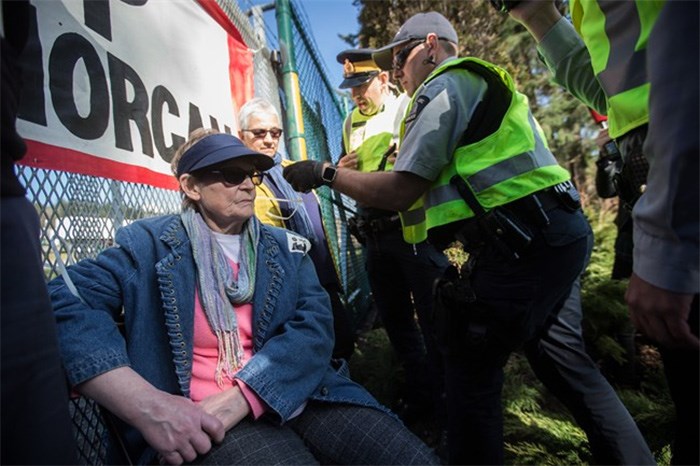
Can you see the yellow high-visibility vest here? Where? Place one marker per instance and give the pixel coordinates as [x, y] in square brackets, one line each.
[371, 136]
[616, 34]
[511, 162]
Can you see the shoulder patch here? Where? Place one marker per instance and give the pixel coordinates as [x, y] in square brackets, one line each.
[417, 107]
[296, 243]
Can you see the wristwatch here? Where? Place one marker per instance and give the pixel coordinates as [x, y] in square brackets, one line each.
[328, 174]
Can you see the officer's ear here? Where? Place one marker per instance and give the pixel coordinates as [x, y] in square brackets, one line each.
[431, 41]
[383, 77]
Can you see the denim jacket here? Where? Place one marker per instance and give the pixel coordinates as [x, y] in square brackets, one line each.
[150, 275]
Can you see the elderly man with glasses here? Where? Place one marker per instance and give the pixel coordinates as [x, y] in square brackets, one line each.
[279, 205]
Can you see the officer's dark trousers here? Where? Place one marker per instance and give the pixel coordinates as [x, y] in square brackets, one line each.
[560, 361]
[523, 298]
[401, 277]
[36, 427]
[681, 368]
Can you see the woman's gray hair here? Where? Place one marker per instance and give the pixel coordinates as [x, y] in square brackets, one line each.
[194, 137]
[253, 106]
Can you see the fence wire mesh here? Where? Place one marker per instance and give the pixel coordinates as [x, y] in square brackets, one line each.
[91, 436]
[80, 214]
[323, 117]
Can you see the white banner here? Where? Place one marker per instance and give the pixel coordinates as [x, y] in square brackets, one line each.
[112, 88]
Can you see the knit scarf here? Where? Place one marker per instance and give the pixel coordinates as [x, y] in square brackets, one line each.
[299, 222]
[219, 290]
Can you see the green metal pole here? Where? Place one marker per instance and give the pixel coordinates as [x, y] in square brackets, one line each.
[296, 143]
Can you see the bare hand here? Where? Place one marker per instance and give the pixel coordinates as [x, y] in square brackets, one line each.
[602, 138]
[177, 428]
[537, 16]
[349, 161]
[229, 406]
[660, 314]
[173, 425]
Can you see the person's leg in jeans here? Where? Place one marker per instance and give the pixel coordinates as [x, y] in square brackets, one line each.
[342, 324]
[393, 299]
[349, 434]
[419, 266]
[474, 414]
[560, 361]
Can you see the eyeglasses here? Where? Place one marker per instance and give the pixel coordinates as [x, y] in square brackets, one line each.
[262, 133]
[235, 176]
[402, 55]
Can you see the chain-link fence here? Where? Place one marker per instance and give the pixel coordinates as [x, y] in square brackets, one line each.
[80, 214]
[323, 120]
[323, 116]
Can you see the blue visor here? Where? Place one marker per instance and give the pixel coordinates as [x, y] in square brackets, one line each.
[219, 148]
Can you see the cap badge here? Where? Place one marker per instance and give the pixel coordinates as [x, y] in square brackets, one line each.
[348, 68]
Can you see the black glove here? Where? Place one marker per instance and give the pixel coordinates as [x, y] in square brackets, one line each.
[609, 168]
[305, 175]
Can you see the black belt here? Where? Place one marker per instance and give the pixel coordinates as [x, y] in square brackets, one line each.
[383, 224]
[363, 227]
[532, 209]
[527, 215]
[546, 198]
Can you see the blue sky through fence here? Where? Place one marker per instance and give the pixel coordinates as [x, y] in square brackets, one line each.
[327, 19]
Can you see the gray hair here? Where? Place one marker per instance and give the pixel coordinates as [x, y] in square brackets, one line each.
[253, 106]
[194, 137]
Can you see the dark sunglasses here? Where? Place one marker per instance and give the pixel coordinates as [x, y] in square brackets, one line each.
[261, 133]
[402, 55]
[235, 176]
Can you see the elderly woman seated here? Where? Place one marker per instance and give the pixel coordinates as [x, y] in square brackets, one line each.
[225, 352]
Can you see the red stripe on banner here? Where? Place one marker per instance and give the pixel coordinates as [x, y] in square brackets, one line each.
[240, 73]
[211, 7]
[240, 56]
[46, 156]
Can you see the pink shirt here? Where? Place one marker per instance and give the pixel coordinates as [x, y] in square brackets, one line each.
[205, 353]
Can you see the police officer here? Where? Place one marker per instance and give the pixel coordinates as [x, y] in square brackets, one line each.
[401, 276]
[371, 129]
[601, 70]
[605, 67]
[474, 165]
[602, 60]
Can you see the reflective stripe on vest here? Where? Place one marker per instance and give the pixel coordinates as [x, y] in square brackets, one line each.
[616, 33]
[508, 164]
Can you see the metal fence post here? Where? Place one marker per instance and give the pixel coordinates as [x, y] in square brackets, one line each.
[290, 83]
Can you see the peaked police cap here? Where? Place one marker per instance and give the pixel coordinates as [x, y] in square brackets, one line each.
[358, 67]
